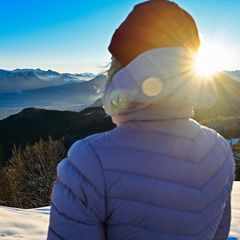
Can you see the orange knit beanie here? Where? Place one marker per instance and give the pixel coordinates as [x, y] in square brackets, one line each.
[153, 24]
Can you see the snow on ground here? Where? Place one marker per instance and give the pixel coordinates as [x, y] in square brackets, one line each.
[233, 141]
[32, 224]
[23, 224]
[235, 226]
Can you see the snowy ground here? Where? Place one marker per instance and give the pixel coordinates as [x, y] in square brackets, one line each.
[235, 227]
[32, 224]
[23, 224]
[233, 141]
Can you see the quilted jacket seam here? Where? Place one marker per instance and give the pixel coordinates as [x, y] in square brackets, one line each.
[162, 154]
[166, 233]
[75, 196]
[169, 181]
[56, 234]
[103, 174]
[166, 133]
[86, 178]
[66, 216]
[173, 209]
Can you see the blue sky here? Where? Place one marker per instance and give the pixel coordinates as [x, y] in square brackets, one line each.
[73, 35]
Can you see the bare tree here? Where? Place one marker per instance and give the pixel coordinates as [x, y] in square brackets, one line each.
[27, 181]
[236, 152]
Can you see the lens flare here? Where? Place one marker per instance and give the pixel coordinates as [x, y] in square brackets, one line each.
[152, 86]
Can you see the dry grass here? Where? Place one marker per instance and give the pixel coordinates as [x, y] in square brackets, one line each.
[236, 152]
[27, 181]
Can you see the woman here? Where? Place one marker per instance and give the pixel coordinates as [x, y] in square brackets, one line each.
[159, 174]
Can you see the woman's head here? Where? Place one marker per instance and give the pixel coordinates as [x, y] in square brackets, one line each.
[152, 56]
[153, 24]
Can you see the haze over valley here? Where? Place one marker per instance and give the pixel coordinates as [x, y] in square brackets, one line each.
[23, 88]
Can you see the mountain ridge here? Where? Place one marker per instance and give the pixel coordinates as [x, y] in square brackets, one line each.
[71, 96]
[234, 74]
[28, 79]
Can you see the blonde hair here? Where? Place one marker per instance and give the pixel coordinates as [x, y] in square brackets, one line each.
[115, 66]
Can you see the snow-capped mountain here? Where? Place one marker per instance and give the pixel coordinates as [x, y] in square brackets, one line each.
[85, 76]
[234, 74]
[27, 79]
[74, 95]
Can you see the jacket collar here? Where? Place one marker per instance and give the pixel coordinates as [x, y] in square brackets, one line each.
[159, 84]
[163, 111]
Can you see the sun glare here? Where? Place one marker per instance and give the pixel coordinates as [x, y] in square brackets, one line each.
[210, 59]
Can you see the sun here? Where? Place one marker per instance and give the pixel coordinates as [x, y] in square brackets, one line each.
[210, 59]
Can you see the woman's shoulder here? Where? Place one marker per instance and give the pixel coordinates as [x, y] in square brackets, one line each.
[214, 134]
[88, 146]
[93, 139]
[82, 161]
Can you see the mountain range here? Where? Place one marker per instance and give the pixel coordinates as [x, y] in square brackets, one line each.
[24, 88]
[26, 79]
[233, 74]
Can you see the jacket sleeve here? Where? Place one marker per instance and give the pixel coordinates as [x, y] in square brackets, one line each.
[78, 197]
[224, 226]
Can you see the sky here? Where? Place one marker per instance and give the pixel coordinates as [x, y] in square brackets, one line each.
[73, 35]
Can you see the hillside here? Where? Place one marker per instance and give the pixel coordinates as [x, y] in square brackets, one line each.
[31, 124]
[227, 92]
[234, 74]
[229, 127]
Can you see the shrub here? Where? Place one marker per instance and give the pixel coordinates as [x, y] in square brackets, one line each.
[236, 152]
[27, 180]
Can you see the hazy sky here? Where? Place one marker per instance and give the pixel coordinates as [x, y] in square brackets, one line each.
[73, 35]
